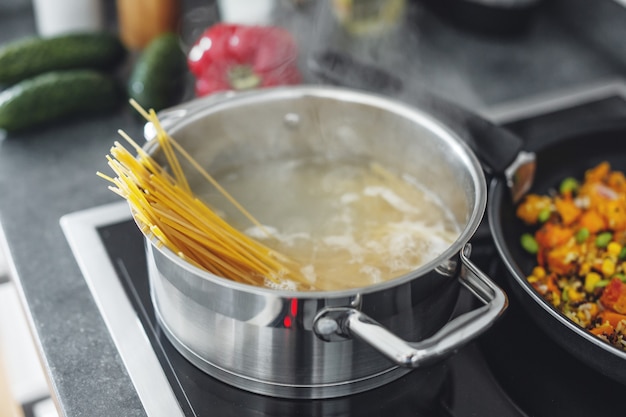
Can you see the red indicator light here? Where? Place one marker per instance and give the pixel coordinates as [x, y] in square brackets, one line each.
[294, 307]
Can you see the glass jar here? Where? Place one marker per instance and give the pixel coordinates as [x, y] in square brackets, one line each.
[140, 21]
[362, 17]
[56, 17]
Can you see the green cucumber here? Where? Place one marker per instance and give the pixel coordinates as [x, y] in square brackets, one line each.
[156, 80]
[27, 57]
[57, 95]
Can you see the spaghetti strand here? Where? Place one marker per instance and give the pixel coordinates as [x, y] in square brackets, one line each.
[166, 210]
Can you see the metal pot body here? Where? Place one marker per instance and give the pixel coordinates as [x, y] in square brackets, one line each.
[323, 344]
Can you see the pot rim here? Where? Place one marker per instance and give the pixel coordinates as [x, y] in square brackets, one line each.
[200, 107]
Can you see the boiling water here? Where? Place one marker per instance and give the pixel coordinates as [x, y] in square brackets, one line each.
[347, 223]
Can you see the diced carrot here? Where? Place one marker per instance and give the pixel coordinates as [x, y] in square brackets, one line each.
[551, 284]
[561, 259]
[596, 195]
[567, 210]
[528, 211]
[615, 214]
[552, 235]
[605, 329]
[541, 257]
[592, 220]
[598, 173]
[611, 317]
[617, 181]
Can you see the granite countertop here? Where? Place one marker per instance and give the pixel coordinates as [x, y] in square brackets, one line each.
[50, 172]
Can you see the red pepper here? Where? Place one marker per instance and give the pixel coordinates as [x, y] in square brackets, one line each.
[614, 296]
[239, 57]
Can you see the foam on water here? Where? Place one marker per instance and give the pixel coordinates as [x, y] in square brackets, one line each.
[347, 224]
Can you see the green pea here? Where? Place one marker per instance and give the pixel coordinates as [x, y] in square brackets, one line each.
[602, 283]
[529, 243]
[622, 253]
[544, 215]
[569, 184]
[603, 239]
[582, 235]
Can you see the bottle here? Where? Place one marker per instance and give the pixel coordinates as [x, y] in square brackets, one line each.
[140, 21]
[368, 17]
[247, 12]
[56, 17]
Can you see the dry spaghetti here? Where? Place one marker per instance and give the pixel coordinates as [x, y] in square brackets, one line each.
[166, 209]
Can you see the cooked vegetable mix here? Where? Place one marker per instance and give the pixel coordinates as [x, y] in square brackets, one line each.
[580, 246]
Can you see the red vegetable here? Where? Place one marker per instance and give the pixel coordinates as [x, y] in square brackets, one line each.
[614, 296]
[239, 57]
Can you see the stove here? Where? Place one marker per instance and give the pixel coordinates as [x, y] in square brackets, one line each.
[514, 369]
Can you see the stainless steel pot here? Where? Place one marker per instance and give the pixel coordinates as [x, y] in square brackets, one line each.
[339, 342]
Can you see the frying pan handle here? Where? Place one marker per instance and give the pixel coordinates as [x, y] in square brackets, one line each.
[496, 147]
[340, 323]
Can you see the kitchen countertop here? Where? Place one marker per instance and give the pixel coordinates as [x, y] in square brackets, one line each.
[47, 173]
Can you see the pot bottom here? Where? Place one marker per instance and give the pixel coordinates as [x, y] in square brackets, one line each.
[257, 386]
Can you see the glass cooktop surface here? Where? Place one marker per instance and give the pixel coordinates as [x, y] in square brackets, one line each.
[514, 369]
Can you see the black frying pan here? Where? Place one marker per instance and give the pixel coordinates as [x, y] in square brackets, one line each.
[558, 158]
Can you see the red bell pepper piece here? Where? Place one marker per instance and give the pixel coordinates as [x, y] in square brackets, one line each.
[238, 57]
[614, 296]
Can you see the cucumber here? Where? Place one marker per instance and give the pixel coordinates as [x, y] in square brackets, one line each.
[156, 80]
[27, 57]
[57, 95]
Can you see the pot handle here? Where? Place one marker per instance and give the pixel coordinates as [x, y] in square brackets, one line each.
[340, 323]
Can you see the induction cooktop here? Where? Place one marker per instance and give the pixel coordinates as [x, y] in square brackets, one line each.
[514, 369]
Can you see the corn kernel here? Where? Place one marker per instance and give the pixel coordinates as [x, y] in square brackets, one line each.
[585, 268]
[574, 295]
[539, 272]
[591, 279]
[608, 267]
[556, 299]
[532, 279]
[614, 248]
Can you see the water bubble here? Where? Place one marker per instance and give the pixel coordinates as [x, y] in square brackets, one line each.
[292, 120]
